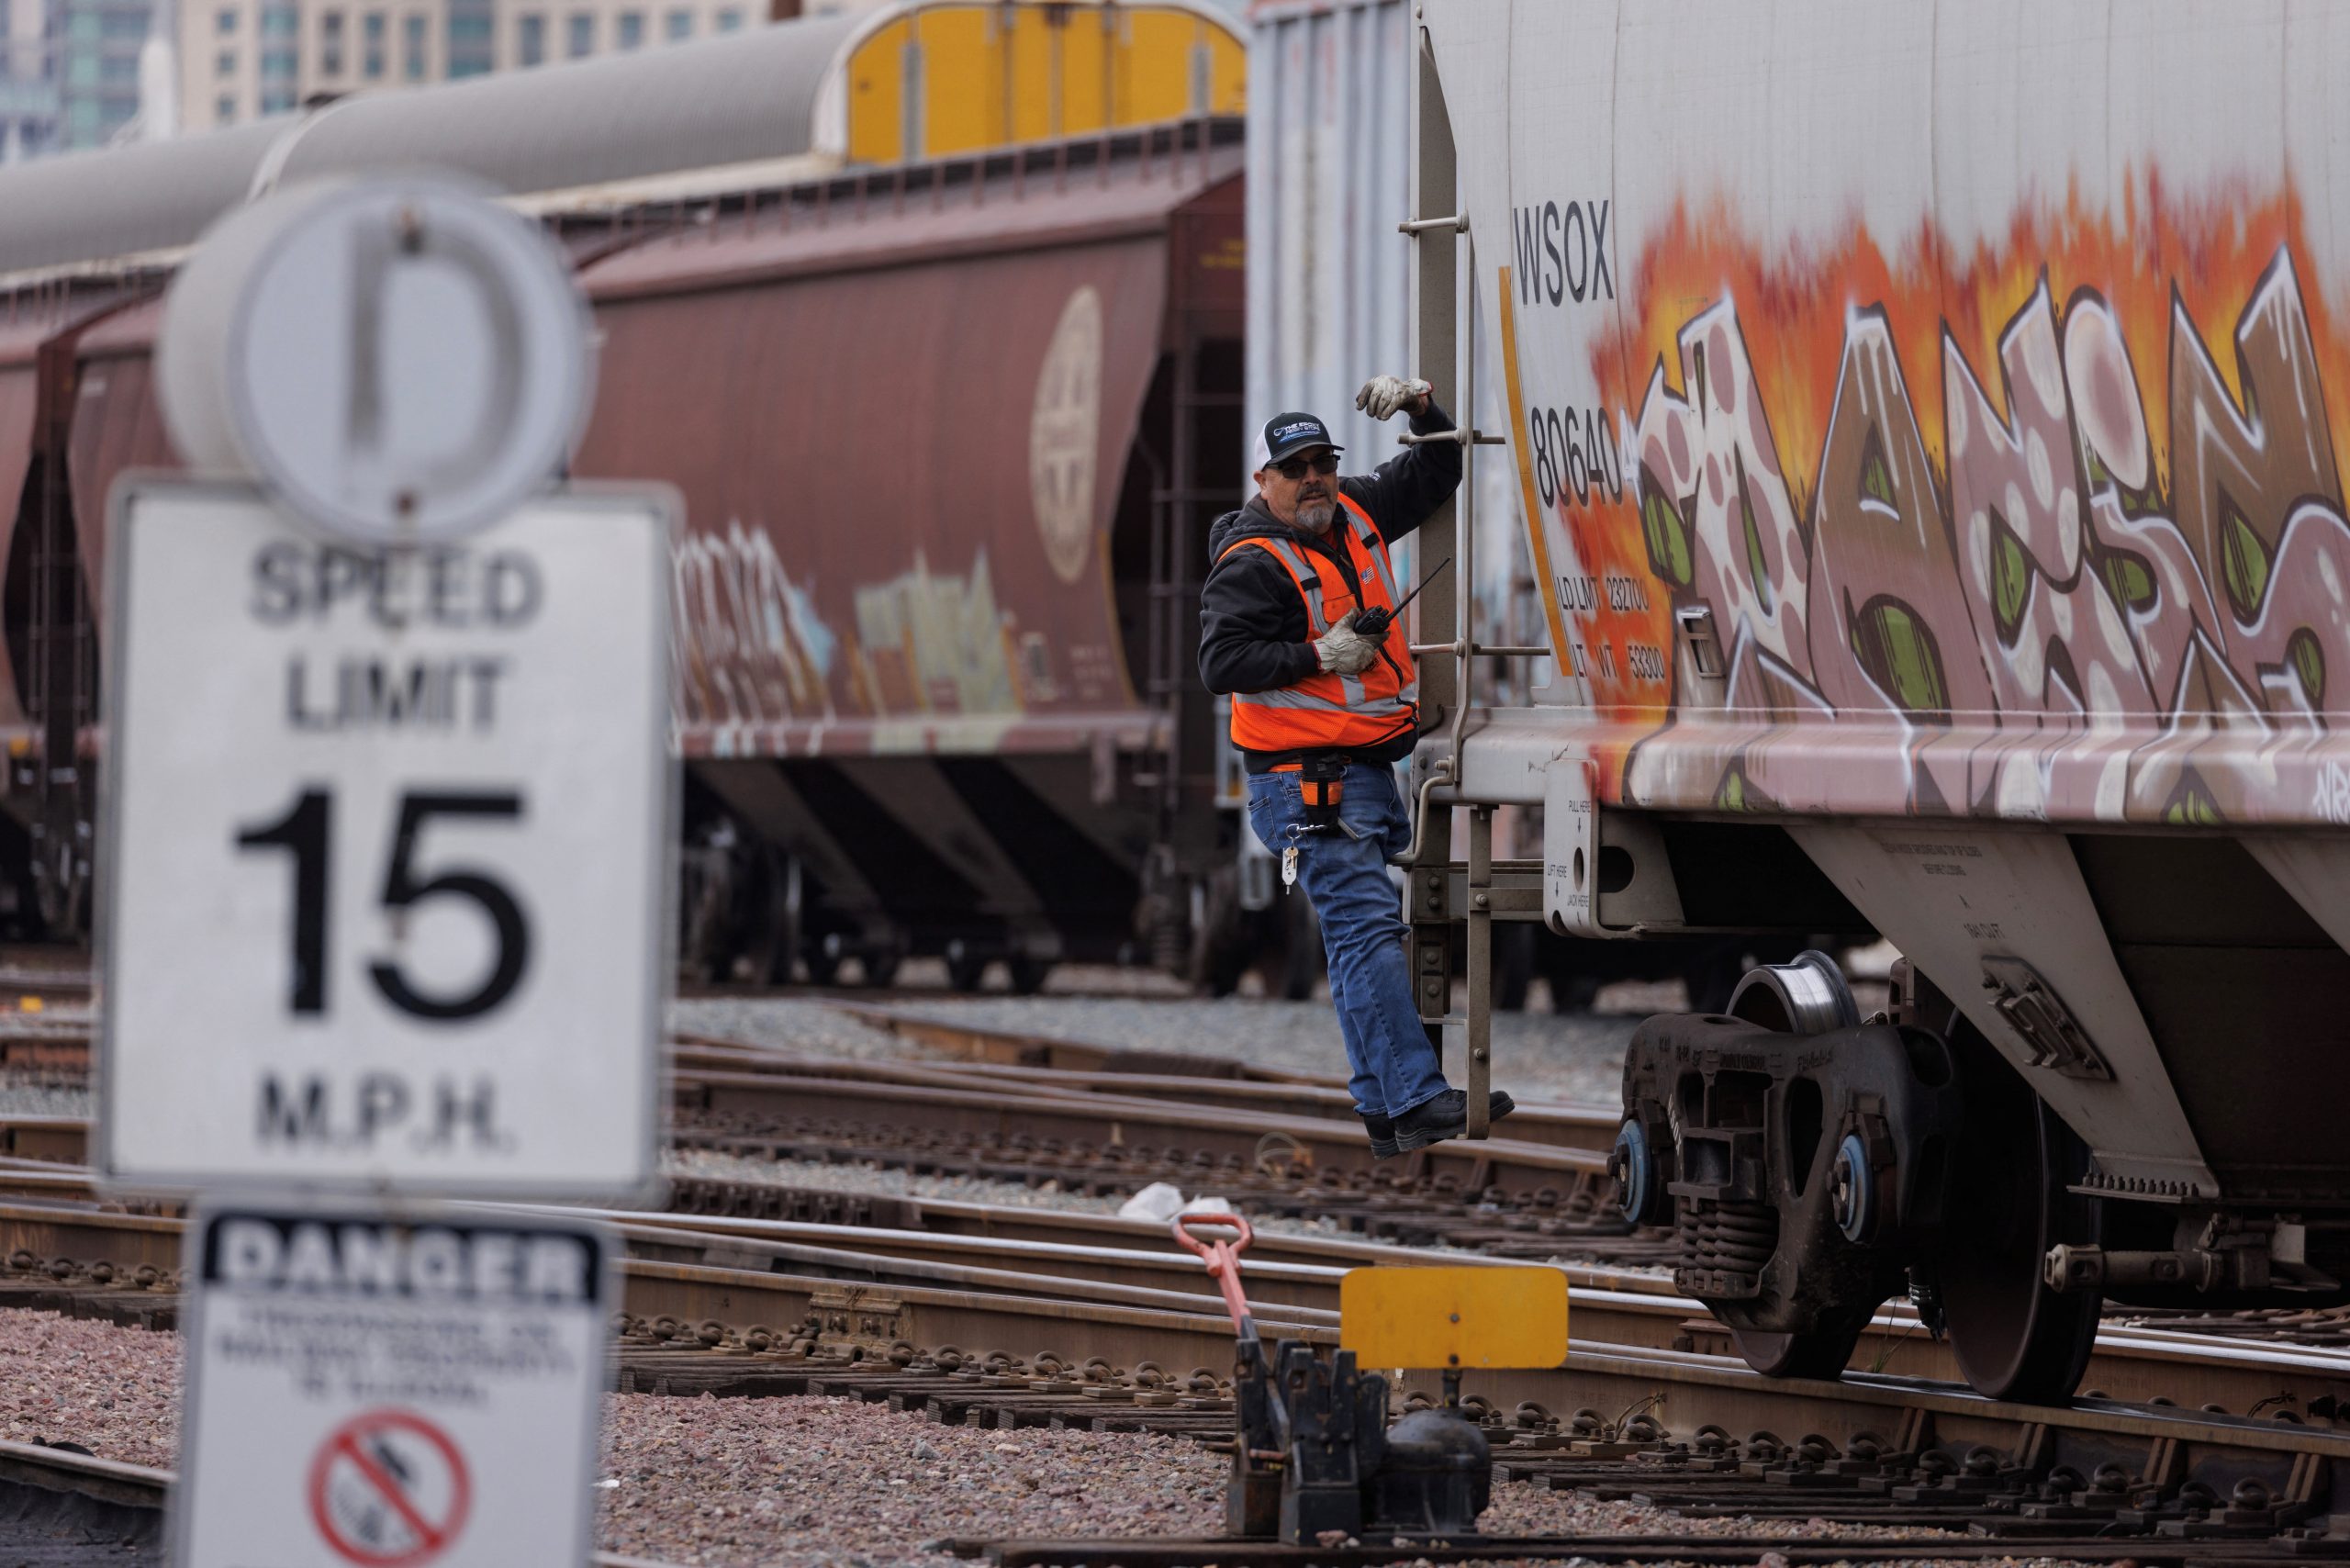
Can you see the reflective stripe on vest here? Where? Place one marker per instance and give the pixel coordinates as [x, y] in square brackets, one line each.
[1326, 710]
[1307, 579]
[1291, 696]
[1368, 537]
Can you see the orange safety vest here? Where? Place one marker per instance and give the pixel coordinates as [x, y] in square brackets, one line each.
[1326, 711]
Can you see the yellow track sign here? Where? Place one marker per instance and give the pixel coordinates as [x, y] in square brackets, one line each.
[1479, 1316]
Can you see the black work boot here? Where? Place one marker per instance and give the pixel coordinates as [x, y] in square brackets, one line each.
[1445, 1116]
[1382, 1135]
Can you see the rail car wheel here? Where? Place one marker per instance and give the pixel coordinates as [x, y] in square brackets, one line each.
[2014, 1338]
[1824, 1351]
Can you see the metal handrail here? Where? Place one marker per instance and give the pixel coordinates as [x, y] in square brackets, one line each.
[1451, 438]
[1478, 650]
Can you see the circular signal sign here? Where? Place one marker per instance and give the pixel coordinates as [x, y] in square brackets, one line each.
[390, 1490]
[398, 361]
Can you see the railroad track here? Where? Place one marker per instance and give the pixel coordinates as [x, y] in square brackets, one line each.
[53, 1005]
[1687, 1430]
[45, 1026]
[122, 1265]
[1091, 1118]
[1276, 1146]
[116, 1508]
[1072, 1126]
[1013, 1317]
[1158, 1075]
[1002, 1061]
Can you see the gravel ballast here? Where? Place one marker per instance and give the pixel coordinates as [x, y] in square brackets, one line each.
[803, 1023]
[832, 1177]
[39, 1094]
[708, 1483]
[1537, 1056]
[114, 1390]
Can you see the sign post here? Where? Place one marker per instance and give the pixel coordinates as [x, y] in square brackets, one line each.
[388, 816]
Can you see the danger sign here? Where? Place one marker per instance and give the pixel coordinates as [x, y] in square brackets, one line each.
[372, 1390]
[390, 1490]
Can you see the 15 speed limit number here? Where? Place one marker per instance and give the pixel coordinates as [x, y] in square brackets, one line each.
[386, 869]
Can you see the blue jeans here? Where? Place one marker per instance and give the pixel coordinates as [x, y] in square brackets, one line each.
[1345, 874]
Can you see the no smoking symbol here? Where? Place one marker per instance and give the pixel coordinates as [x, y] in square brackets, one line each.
[390, 1490]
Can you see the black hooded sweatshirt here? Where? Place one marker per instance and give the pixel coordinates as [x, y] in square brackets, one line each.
[1254, 635]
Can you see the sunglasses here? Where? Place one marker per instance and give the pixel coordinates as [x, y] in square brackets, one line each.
[1296, 468]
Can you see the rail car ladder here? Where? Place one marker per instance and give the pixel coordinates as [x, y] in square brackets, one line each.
[1204, 398]
[1438, 893]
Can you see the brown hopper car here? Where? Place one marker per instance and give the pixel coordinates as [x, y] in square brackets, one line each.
[944, 438]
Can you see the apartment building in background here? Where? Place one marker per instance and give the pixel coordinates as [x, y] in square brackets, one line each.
[27, 80]
[69, 72]
[96, 48]
[245, 60]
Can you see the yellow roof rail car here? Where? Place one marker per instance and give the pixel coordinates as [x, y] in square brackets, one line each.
[932, 78]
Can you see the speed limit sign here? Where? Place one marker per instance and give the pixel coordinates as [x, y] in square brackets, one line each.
[386, 862]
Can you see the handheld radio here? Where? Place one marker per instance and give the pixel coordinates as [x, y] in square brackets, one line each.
[1373, 623]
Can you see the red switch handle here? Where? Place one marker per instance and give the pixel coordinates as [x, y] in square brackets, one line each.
[1222, 1259]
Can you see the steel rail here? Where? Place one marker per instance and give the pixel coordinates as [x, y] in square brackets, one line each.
[1700, 1551]
[64, 1140]
[2131, 1364]
[37, 1044]
[712, 1203]
[951, 1216]
[1591, 1127]
[920, 1305]
[726, 1308]
[893, 1101]
[122, 1243]
[1673, 1394]
[1014, 1048]
[1121, 1122]
[1588, 1129]
[1614, 1307]
[22, 980]
[1296, 1294]
[1683, 1389]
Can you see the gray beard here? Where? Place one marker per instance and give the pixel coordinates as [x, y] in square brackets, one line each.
[1315, 517]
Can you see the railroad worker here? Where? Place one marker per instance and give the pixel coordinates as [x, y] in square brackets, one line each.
[1321, 712]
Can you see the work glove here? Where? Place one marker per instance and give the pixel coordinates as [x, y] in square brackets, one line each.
[1342, 650]
[1383, 395]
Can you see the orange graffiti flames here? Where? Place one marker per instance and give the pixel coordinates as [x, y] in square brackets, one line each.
[1797, 306]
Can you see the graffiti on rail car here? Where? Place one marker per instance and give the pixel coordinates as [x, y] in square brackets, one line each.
[2049, 528]
[753, 650]
[750, 648]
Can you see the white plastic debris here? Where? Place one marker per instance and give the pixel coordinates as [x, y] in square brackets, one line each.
[1159, 1203]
